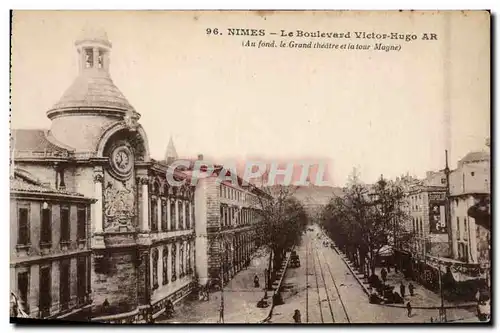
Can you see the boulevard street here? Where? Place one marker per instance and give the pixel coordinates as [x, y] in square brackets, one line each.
[324, 290]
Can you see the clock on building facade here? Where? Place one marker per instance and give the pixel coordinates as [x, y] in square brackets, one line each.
[122, 161]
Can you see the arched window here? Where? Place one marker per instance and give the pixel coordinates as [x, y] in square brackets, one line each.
[174, 257]
[89, 58]
[165, 265]
[154, 214]
[155, 268]
[172, 215]
[164, 216]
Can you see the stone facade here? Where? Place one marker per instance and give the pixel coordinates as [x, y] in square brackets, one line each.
[50, 249]
[426, 207]
[97, 147]
[227, 218]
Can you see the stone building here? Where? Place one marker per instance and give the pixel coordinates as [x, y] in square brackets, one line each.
[49, 249]
[426, 206]
[469, 185]
[142, 229]
[227, 225]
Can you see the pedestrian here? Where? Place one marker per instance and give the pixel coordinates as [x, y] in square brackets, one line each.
[384, 274]
[256, 281]
[408, 307]
[296, 317]
[388, 268]
[402, 289]
[411, 288]
[432, 320]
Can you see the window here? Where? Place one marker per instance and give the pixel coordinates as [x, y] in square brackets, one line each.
[472, 173]
[44, 296]
[222, 215]
[186, 209]
[65, 224]
[81, 272]
[458, 227]
[23, 232]
[89, 58]
[165, 265]
[154, 215]
[46, 232]
[172, 215]
[155, 268]
[174, 256]
[64, 284]
[164, 216]
[181, 215]
[465, 226]
[23, 282]
[81, 223]
[443, 180]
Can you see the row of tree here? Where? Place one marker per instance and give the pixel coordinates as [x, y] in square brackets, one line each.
[285, 219]
[366, 220]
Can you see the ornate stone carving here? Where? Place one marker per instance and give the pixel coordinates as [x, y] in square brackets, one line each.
[142, 180]
[119, 205]
[98, 177]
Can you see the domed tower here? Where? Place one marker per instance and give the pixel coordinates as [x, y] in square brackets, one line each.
[92, 103]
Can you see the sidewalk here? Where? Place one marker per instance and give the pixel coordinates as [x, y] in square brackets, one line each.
[422, 298]
[240, 299]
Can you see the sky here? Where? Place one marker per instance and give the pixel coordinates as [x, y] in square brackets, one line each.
[382, 112]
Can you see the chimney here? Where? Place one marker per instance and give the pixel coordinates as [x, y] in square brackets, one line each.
[200, 157]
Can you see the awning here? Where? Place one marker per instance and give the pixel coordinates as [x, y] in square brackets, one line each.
[386, 251]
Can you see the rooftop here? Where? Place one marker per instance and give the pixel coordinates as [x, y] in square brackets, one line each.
[24, 182]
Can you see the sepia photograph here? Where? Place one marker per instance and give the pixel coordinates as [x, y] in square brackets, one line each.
[250, 167]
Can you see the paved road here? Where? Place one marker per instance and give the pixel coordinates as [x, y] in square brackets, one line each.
[324, 291]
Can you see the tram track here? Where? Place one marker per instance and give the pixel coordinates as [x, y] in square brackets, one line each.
[336, 288]
[328, 299]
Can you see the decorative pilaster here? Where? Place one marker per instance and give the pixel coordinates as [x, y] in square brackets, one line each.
[95, 54]
[177, 260]
[176, 214]
[144, 182]
[158, 212]
[98, 239]
[144, 277]
[184, 214]
[169, 262]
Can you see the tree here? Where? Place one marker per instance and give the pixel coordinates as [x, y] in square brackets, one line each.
[284, 220]
[366, 219]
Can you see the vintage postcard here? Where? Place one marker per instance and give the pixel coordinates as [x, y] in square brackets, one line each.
[259, 167]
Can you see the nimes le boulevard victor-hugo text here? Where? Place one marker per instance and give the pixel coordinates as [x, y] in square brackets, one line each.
[407, 37]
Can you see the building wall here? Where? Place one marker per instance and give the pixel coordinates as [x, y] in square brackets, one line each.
[31, 258]
[469, 241]
[114, 279]
[201, 242]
